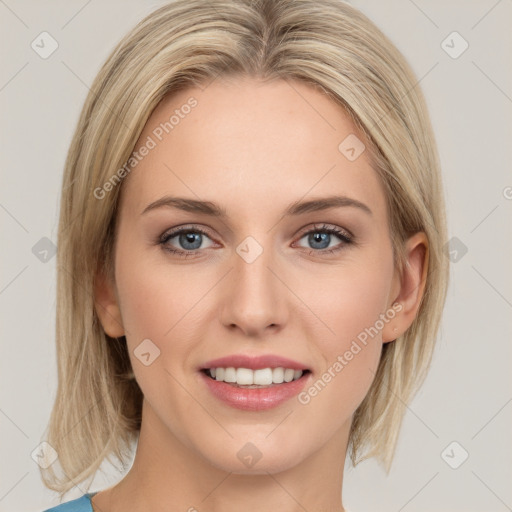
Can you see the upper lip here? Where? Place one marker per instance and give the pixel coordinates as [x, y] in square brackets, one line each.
[254, 362]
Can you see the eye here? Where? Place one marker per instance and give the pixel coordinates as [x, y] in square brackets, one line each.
[321, 237]
[189, 238]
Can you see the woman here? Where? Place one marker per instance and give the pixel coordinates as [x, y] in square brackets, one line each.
[250, 266]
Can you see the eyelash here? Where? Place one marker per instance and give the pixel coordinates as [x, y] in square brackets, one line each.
[345, 237]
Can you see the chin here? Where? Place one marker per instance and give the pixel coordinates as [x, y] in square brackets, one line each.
[267, 464]
[258, 454]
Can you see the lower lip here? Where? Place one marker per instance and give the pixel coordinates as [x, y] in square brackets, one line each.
[255, 399]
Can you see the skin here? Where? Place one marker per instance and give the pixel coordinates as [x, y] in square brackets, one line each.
[253, 148]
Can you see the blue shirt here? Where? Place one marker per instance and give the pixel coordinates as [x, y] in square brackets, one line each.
[82, 504]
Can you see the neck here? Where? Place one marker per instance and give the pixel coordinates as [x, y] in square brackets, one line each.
[168, 475]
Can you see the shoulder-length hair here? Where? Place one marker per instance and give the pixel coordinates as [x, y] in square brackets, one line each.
[325, 43]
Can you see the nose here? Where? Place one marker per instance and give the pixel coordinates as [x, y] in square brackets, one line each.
[255, 297]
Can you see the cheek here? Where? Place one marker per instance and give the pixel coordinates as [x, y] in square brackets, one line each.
[160, 302]
[154, 295]
[347, 302]
[351, 305]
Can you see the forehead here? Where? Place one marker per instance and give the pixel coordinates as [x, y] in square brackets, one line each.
[247, 143]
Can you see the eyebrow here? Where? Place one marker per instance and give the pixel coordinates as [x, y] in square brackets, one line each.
[296, 208]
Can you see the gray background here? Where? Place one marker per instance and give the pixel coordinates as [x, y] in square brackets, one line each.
[467, 396]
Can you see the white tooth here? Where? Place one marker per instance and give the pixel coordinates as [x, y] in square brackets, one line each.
[263, 377]
[288, 375]
[244, 376]
[278, 375]
[260, 377]
[230, 374]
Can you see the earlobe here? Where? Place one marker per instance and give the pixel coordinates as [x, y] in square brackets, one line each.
[412, 287]
[106, 305]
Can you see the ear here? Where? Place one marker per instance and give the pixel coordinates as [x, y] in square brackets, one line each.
[408, 289]
[106, 305]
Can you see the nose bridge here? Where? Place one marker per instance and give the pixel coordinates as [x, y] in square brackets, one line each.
[255, 298]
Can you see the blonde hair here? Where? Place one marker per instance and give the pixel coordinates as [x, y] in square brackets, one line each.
[327, 44]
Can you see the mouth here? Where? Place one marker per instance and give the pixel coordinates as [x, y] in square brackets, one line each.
[262, 378]
[254, 382]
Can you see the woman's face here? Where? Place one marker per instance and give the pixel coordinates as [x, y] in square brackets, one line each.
[269, 277]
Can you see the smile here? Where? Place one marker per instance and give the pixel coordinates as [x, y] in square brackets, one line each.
[255, 378]
[243, 395]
